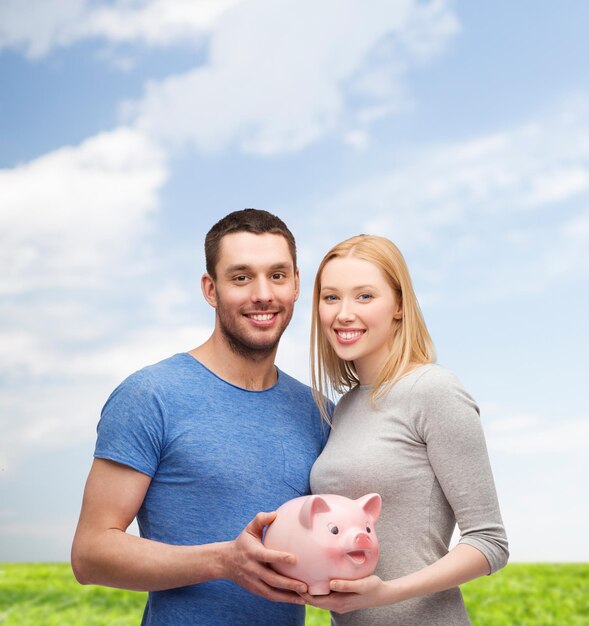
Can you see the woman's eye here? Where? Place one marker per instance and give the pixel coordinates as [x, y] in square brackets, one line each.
[330, 298]
[364, 297]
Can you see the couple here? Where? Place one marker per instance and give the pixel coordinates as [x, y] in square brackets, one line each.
[197, 445]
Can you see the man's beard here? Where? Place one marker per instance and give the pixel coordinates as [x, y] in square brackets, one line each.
[239, 344]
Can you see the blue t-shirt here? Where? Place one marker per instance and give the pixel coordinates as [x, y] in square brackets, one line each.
[217, 454]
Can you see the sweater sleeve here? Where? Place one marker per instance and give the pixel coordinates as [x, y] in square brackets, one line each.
[449, 423]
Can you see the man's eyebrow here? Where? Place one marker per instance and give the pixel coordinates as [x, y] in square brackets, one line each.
[281, 266]
[243, 267]
[237, 268]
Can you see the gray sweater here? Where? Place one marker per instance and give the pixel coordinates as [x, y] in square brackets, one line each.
[423, 450]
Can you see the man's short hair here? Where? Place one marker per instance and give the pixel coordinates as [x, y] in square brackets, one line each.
[255, 221]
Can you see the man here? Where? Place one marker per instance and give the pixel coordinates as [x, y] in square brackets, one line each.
[196, 445]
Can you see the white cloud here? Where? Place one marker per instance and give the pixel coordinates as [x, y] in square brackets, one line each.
[460, 203]
[47, 24]
[524, 168]
[279, 75]
[282, 75]
[567, 256]
[527, 434]
[67, 216]
[149, 345]
[43, 25]
[65, 391]
[358, 139]
[157, 22]
[73, 224]
[558, 185]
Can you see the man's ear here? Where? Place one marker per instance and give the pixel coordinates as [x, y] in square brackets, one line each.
[209, 290]
[297, 283]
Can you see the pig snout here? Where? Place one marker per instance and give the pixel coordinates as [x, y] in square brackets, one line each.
[359, 549]
[362, 542]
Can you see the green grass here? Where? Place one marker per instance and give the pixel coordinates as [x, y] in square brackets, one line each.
[530, 595]
[519, 595]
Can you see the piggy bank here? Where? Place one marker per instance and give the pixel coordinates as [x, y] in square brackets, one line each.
[331, 536]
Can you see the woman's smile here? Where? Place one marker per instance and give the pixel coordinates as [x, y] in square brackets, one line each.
[357, 307]
[347, 336]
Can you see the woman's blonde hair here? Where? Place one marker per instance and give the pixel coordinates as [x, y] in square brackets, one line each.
[411, 343]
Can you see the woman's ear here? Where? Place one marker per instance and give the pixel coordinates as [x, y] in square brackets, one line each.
[398, 314]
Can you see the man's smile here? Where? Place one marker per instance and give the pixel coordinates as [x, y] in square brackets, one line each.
[262, 318]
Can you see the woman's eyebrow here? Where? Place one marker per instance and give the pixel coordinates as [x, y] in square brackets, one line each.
[357, 288]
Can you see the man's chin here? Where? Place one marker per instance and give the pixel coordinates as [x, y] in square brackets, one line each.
[250, 348]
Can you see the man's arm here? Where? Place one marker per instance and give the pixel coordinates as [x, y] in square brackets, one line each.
[103, 553]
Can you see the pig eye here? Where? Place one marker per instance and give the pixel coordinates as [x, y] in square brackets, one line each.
[333, 528]
[368, 529]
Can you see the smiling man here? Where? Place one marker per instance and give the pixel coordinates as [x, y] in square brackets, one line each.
[197, 445]
[253, 283]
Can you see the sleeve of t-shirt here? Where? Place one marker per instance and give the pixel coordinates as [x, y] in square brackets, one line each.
[449, 422]
[131, 426]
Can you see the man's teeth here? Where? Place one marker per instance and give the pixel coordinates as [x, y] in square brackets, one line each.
[349, 334]
[262, 317]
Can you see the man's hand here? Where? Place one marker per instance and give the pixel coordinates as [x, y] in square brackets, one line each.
[247, 563]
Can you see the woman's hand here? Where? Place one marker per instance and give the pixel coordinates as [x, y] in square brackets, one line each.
[351, 595]
[461, 564]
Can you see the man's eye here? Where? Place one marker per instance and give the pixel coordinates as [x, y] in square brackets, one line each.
[277, 276]
[241, 278]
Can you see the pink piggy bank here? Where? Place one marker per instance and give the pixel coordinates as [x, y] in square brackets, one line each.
[331, 536]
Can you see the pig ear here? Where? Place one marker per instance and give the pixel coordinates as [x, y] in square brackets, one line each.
[371, 503]
[312, 506]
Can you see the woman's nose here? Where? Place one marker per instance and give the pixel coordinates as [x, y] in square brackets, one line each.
[345, 313]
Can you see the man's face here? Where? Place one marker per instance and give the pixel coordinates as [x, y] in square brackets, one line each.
[254, 292]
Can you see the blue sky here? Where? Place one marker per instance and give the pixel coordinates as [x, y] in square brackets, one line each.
[458, 129]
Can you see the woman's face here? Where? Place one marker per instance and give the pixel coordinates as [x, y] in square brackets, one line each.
[357, 307]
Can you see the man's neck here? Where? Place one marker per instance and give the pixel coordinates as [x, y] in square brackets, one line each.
[239, 370]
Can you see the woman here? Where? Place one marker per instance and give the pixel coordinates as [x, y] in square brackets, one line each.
[404, 428]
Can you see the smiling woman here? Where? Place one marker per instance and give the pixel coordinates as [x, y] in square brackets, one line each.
[357, 309]
[406, 429]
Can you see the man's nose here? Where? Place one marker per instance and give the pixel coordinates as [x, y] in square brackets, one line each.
[262, 291]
